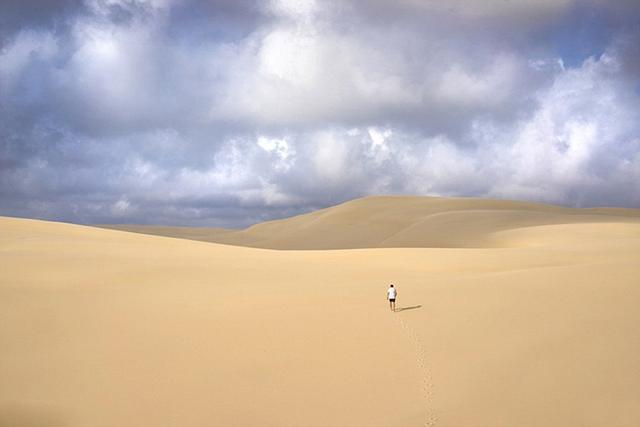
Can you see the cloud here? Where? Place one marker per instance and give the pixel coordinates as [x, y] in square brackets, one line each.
[579, 145]
[231, 112]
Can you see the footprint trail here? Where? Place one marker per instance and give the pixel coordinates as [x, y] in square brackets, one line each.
[420, 354]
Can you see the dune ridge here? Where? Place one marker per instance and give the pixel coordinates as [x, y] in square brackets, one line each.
[395, 222]
[107, 328]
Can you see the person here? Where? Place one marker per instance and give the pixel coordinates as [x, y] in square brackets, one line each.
[391, 296]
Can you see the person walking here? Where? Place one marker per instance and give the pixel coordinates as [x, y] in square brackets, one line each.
[391, 296]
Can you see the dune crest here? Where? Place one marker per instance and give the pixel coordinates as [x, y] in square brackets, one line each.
[397, 222]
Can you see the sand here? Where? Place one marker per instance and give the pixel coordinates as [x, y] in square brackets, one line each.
[534, 324]
[396, 222]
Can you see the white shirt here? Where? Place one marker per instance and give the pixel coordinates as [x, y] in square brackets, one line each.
[391, 293]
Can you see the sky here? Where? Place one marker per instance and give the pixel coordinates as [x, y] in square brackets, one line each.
[231, 112]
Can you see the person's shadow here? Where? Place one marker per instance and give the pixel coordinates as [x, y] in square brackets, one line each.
[408, 308]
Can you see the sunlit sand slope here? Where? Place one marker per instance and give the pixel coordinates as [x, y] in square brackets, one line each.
[397, 221]
[106, 328]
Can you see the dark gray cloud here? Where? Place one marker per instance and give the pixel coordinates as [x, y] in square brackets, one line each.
[18, 15]
[232, 112]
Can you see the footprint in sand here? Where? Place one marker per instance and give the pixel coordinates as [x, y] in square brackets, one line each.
[426, 383]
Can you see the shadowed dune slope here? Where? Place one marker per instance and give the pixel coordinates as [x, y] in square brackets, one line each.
[105, 328]
[397, 221]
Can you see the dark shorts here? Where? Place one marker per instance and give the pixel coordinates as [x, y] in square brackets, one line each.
[392, 300]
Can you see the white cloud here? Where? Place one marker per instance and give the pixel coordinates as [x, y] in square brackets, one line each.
[577, 140]
[121, 208]
[280, 150]
[301, 10]
[28, 46]
[379, 149]
[307, 103]
[485, 87]
[330, 158]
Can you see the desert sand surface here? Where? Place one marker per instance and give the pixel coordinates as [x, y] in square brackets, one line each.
[531, 322]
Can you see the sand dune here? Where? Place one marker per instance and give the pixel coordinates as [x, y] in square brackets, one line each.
[538, 328]
[396, 221]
